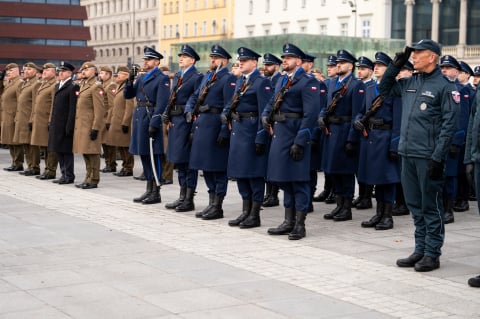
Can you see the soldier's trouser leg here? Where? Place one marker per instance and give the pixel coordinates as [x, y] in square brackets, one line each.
[344, 185]
[110, 153]
[167, 168]
[127, 159]
[92, 163]
[68, 161]
[51, 162]
[424, 198]
[216, 182]
[147, 166]
[88, 176]
[476, 177]
[450, 188]
[17, 153]
[32, 156]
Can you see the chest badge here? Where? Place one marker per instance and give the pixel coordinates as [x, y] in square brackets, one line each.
[423, 106]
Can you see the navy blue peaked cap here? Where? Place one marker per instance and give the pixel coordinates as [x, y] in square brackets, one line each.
[408, 65]
[383, 58]
[466, 68]
[366, 62]
[217, 50]
[448, 60]
[292, 50]
[247, 54]
[149, 53]
[332, 60]
[188, 50]
[269, 58]
[344, 55]
[308, 57]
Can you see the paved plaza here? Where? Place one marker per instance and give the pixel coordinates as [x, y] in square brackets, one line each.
[71, 253]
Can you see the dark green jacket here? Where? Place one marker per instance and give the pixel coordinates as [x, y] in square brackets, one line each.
[472, 147]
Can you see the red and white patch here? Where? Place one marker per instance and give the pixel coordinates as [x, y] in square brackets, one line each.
[232, 84]
[77, 93]
[361, 91]
[114, 90]
[100, 92]
[167, 85]
[466, 96]
[267, 88]
[313, 88]
[456, 96]
[323, 91]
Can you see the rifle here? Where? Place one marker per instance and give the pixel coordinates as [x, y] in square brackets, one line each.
[278, 102]
[204, 92]
[172, 100]
[376, 103]
[235, 100]
[333, 104]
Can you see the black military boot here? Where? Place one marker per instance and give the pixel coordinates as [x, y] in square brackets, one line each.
[211, 197]
[449, 218]
[387, 220]
[287, 225]
[310, 204]
[272, 200]
[376, 218]
[187, 205]
[216, 211]
[322, 196]
[335, 211]
[361, 191]
[298, 231]
[346, 212]
[253, 219]
[461, 205]
[246, 208]
[400, 209]
[331, 198]
[181, 198]
[268, 191]
[366, 200]
[154, 196]
[144, 195]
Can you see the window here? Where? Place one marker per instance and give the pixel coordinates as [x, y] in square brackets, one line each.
[176, 7]
[205, 4]
[101, 33]
[127, 28]
[186, 30]
[177, 32]
[285, 5]
[171, 7]
[120, 30]
[267, 6]
[139, 26]
[114, 30]
[171, 31]
[101, 52]
[323, 29]
[94, 33]
[108, 32]
[304, 3]
[267, 28]
[284, 27]
[323, 3]
[250, 7]
[224, 26]
[120, 51]
[165, 8]
[186, 5]
[139, 51]
[366, 28]
[107, 52]
[145, 30]
[204, 28]
[127, 51]
[164, 31]
[195, 4]
[344, 29]
[195, 29]
[154, 26]
[113, 52]
[214, 27]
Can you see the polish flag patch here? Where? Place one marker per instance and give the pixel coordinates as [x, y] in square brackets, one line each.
[100, 92]
[361, 91]
[77, 93]
[232, 84]
[313, 88]
[166, 84]
[267, 88]
[456, 96]
[323, 91]
[466, 96]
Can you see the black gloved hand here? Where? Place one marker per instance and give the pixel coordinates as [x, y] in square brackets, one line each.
[358, 125]
[402, 57]
[93, 135]
[125, 129]
[296, 152]
[30, 126]
[435, 170]
[222, 141]
[2, 74]
[393, 156]
[165, 118]
[107, 126]
[321, 122]
[259, 149]
[152, 131]
[223, 119]
[350, 149]
[131, 76]
[265, 124]
[454, 151]
[188, 117]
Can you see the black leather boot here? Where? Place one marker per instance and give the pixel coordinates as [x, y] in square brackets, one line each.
[449, 218]
[387, 220]
[253, 219]
[268, 191]
[376, 218]
[287, 225]
[211, 197]
[366, 200]
[246, 208]
[298, 231]
[322, 196]
[187, 205]
[461, 206]
[335, 211]
[361, 191]
[216, 211]
[346, 212]
[181, 198]
[310, 204]
[272, 200]
[154, 196]
[331, 198]
[144, 195]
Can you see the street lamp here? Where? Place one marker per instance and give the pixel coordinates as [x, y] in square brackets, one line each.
[353, 5]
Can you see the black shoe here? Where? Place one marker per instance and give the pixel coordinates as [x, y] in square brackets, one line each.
[30, 173]
[166, 181]
[88, 186]
[364, 203]
[45, 176]
[13, 168]
[123, 174]
[330, 199]
[65, 181]
[140, 178]
[461, 206]
[474, 282]
[272, 201]
[427, 263]
[79, 185]
[322, 196]
[215, 213]
[57, 181]
[472, 198]
[108, 170]
[449, 218]
[410, 261]
[400, 210]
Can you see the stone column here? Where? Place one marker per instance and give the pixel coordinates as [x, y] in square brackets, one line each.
[435, 18]
[409, 21]
[462, 30]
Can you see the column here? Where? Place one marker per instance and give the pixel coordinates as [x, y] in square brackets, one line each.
[409, 21]
[435, 18]
[462, 36]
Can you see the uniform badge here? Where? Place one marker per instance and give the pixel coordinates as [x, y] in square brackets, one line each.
[361, 91]
[267, 88]
[77, 93]
[323, 91]
[114, 90]
[456, 96]
[167, 84]
[100, 92]
[313, 88]
[232, 84]
[423, 106]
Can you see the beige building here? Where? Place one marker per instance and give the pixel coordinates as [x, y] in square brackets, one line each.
[120, 29]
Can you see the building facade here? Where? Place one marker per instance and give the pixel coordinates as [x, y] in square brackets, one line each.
[120, 30]
[43, 31]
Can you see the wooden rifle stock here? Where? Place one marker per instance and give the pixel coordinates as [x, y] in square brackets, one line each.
[278, 102]
[204, 92]
[333, 104]
[376, 103]
[172, 100]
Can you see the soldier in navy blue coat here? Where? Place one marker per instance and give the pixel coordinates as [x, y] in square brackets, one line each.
[210, 138]
[248, 141]
[291, 114]
[340, 148]
[271, 71]
[151, 91]
[185, 82]
[451, 68]
[379, 164]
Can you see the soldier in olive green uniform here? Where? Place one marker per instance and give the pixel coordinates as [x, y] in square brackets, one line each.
[110, 88]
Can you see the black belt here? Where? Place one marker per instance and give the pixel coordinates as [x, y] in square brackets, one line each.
[145, 104]
[177, 110]
[380, 126]
[280, 117]
[208, 109]
[241, 115]
[339, 119]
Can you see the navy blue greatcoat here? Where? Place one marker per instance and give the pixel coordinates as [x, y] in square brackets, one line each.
[317, 134]
[178, 149]
[334, 157]
[302, 97]
[152, 88]
[248, 131]
[206, 154]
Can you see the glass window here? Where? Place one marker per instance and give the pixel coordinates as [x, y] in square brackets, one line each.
[177, 32]
[164, 31]
[473, 22]
[101, 52]
[139, 51]
[107, 52]
[33, 20]
[204, 28]
[78, 23]
[120, 51]
[224, 26]
[344, 29]
[10, 19]
[250, 7]
[449, 22]
[267, 6]
[422, 21]
[285, 4]
[145, 31]
[58, 42]
[154, 26]
[366, 28]
[78, 43]
[304, 3]
[186, 5]
[114, 52]
[186, 30]
[214, 27]
[195, 29]
[127, 51]
[139, 26]
[170, 35]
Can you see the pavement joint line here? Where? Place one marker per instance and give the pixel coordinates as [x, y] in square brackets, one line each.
[151, 222]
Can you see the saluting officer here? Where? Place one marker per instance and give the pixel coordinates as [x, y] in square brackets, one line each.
[291, 114]
[271, 70]
[379, 163]
[185, 82]
[120, 119]
[89, 120]
[41, 110]
[248, 140]
[210, 138]
[151, 90]
[340, 148]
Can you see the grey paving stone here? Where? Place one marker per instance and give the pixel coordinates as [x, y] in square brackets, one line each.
[18, 301]
[46, 312]
[46, 279]
[234, 312]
